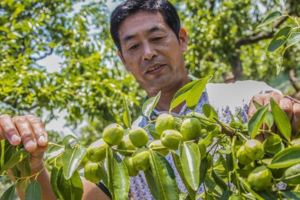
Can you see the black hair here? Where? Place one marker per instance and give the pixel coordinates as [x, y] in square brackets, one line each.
[130, 7]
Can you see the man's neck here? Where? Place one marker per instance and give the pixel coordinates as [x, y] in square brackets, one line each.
[167, 96]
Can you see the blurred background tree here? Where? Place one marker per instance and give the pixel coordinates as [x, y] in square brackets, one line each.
[90, 83]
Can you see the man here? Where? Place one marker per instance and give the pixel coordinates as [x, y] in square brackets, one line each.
[151, 44]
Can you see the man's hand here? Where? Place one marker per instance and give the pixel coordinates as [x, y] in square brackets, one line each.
[288, 104]
[29, 131]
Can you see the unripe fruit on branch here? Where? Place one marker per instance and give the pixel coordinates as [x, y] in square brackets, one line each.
[113, 134]
[140, 160]
[190, 129]
[242, 156]
[97, 151]
[157, 146]
[164, 122]
[130, 167]
[255, 149]
[171, 139]
[138, 137]
[260, 178]
[92, 172]
[126, 145]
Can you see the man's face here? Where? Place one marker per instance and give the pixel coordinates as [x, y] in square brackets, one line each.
[151, 51]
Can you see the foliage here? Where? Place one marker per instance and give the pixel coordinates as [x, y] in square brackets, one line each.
[225, 37]
[90, 84]
[211, 157]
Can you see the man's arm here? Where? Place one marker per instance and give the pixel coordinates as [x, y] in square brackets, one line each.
[30, 131]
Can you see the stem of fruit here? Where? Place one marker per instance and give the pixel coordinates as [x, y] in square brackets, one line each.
[235, 166]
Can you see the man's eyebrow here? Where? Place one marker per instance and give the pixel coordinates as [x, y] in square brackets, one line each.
[151, 30]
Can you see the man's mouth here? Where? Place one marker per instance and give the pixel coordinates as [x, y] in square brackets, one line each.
[154, 69]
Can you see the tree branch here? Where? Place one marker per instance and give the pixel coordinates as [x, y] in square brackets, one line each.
[260, 36]
[293, 79]
[43, 56]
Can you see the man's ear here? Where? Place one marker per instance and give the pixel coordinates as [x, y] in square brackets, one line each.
[122, 59]
[183, 39]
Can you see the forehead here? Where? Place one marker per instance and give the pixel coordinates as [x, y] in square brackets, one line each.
[141, 22]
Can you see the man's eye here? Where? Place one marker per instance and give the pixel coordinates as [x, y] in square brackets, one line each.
[157, 38]
[133, 47]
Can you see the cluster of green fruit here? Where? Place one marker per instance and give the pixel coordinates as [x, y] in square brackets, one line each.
[253, 156]
[134, 143]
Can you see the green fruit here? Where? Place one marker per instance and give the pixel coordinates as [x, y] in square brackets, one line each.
[292, 175]
[295, 142]
[141, 161]
[243, 156]
[138, 137]
[202, 148]
[164, 122]
[113, 134]
[190, 129]
[126, 145]
[171, 139]
[273, 144]
[235, 197]
[236, 125]
[157, 146]
[254, 149]
[203, 132]
[260, 178]
[92, 172]
[97, 151]
[130, 167]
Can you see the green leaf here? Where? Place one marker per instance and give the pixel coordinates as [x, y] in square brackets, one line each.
[293, 38]
[196, 91]
[209, 111]
[282, 121]
[180, 95]
[151, 184]
[248, 188]
[120, 180]
[256, 121]
[71, 189]
[219, 181]
[279, 39]
[54, 183]
[286, 158]
[269, 119]
[164, 177]
[70, 141]
[291, 195]
[15, 158]
[71, 160]
[178, 166]
[150, 105]
[9, 194]
[190, 159]
[33, 191]
[273, 16]
[126, 114]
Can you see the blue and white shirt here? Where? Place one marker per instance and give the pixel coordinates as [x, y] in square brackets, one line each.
[227, 99]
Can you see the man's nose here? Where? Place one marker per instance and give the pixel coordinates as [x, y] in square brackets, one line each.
[149, 52]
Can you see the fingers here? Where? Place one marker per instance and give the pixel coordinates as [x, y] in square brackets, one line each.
[26, 133]
[39, 130]
[9, 130]
[259, 99]
[296, 117]
[1, 133]
[286, 105]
